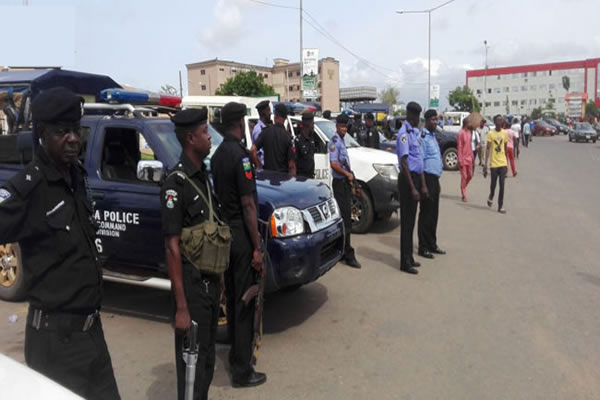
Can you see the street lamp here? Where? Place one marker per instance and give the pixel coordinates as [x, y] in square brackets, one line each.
[485, 76]
[428, 12]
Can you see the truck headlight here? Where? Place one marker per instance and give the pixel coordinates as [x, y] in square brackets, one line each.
[387, 171]
[287, 221]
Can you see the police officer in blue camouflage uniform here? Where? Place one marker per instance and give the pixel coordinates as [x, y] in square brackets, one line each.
[411, 183]
[343, 178]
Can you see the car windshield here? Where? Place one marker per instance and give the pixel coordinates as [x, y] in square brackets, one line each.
[328, 128]
[583, 126]
[165, 132]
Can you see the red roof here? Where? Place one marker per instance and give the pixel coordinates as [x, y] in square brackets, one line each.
[590, 63]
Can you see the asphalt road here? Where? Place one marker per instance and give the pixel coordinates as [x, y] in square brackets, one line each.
[511, 312]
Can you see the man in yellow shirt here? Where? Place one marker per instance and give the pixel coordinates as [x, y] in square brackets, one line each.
[497, 140]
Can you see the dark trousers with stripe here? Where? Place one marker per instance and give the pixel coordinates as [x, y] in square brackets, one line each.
[408, 215]
[428, 214]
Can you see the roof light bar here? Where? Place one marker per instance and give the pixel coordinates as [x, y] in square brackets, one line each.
[120, 96]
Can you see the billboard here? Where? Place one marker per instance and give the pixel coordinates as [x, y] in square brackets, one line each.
[434, 96]
[310, 73]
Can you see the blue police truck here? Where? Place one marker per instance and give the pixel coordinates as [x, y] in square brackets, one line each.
[127, 150]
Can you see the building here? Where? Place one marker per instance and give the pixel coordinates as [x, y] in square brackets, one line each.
[205, 77]
[518, 90]
[358, 94]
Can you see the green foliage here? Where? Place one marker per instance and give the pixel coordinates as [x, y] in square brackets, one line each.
[536, 113]
[463, 99]
[591, 108]
[389, 95]
[245, 84]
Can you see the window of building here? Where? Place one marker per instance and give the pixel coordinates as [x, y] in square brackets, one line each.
[552, 86]
[489, 91]
[550, 73]
[532, 102]
[515, 76]
[499, 77]
[496, 104]
[543, 73]
[291, 87]
[523, 88]
[533, 73]
[297, 73]
[514, 89]
[505, 89]
[290, 74]
[480, 105]
[222, 69]
[488, 104]
[202, 72]
[532, 87]
[524, 75]
[478, 92]
[497, 90]
[514, 102]
[203, 87]
[523, 102]
[504, 103]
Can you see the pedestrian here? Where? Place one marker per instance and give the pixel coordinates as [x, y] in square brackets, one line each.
[358, 130]
[475, 145]
[235, 183]
[371, 132]
[47, 208]
[429, 207]
[465, 156]
[526, 133]
[277, 144]
[264, 114]
[510, 148]
[516, 128]
[411, 183]
[497, 142]
[343, 179]
[307, 145]
[483, 131]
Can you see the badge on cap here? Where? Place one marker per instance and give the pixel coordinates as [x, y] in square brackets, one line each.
[4, 195]
[404, 139]
[247, 167]
[171, 198]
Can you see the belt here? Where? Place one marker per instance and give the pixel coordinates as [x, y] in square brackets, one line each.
[39, 319]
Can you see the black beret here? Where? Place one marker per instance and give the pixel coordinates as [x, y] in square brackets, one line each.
[262, 105]
[370, 116]
[342, 119]
[233, 111]
[58, 105]
[357, 115]
[281, 110]
[190, 117]
[307, 116]
[413, 107]
[430, 113]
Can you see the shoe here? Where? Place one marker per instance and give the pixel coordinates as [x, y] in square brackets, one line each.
[437, 250]
[252, 379]
[464, 199]
[426, 254]
[409, 270]
[502, 211]
[353, 263]
[490, 203]
[414, 263]
[514, 175]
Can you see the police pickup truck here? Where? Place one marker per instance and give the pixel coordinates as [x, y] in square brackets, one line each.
[126, 151]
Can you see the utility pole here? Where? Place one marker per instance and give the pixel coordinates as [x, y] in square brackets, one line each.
[485, 76]
[180, 85]
[301, 66]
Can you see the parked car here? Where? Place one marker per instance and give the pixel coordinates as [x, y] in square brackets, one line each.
[543, 128]
[560, 127]
[583, 131]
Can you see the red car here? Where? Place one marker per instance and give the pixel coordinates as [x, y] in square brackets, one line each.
[542, 128]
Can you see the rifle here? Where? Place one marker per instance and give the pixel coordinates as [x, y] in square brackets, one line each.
[256, 291]
[190, 357]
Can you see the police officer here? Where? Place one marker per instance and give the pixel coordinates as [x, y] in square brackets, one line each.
[371, 132]
[429, 207]
[327, 114]
[47, 209]
[196, 294]
[235, 184]
[343, 178]
[277, 144]
[357, 130]
[411, 183]
[264, 113]
[306, 147]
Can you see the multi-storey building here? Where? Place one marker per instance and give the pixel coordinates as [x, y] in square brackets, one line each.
[519, 89]
[205, 77]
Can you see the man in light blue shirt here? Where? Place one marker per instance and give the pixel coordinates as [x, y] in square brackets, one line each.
[429, 208]
[264, 113]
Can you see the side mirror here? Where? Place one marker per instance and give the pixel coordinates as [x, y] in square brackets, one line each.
[149, 171]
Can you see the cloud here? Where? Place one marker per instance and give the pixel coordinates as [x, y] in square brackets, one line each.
[227, 27]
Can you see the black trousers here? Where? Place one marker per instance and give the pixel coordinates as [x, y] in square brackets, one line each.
[240, 319]
[343, 195]
[408, 215]
[77, 360]
[428, 214]
[495, 175]
[202, 293]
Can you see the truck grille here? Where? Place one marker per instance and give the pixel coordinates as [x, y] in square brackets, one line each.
[315, 214]
[321, 215]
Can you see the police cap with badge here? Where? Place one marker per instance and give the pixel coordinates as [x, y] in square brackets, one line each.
[232, 112]
[190, 118]
[281, 110]
[57, 106]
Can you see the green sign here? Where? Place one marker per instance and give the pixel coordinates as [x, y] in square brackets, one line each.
[434, 103]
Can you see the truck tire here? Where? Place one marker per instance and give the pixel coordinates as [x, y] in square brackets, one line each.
[362, 212]
[450, 159]
[12, 282]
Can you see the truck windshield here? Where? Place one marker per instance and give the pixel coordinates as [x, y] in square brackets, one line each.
[328, 128]
[166, 135]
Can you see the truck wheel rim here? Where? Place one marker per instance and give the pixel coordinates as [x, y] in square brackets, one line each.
[356, 210]
[451, 160]
[8, 265]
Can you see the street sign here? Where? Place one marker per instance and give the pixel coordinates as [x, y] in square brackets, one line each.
[434, 96]
[310, 73]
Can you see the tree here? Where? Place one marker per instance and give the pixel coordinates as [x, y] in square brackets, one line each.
[536, 113]
[463, 99]
[245, 84]
[389, 95]
[591, 108]
[566, 81]
[169, 90]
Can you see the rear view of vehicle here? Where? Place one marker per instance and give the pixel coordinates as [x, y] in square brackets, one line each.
[583, 131]
[542, 128]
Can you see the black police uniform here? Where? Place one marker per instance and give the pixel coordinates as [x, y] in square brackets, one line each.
[51, 216]
[181, 207]
[372, 138]
[306, 147]
[278, 147]
[234, 177]
[358, 132]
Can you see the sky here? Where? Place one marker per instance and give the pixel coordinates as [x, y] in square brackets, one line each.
[145, 43]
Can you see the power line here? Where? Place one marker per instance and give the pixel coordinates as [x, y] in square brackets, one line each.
[265, 3]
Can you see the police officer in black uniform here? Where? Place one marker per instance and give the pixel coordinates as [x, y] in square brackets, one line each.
[196, 294]
[357, 130]
[306, 146]
[371, 133]
[279, 151]
[47, 209]
[235, 184]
